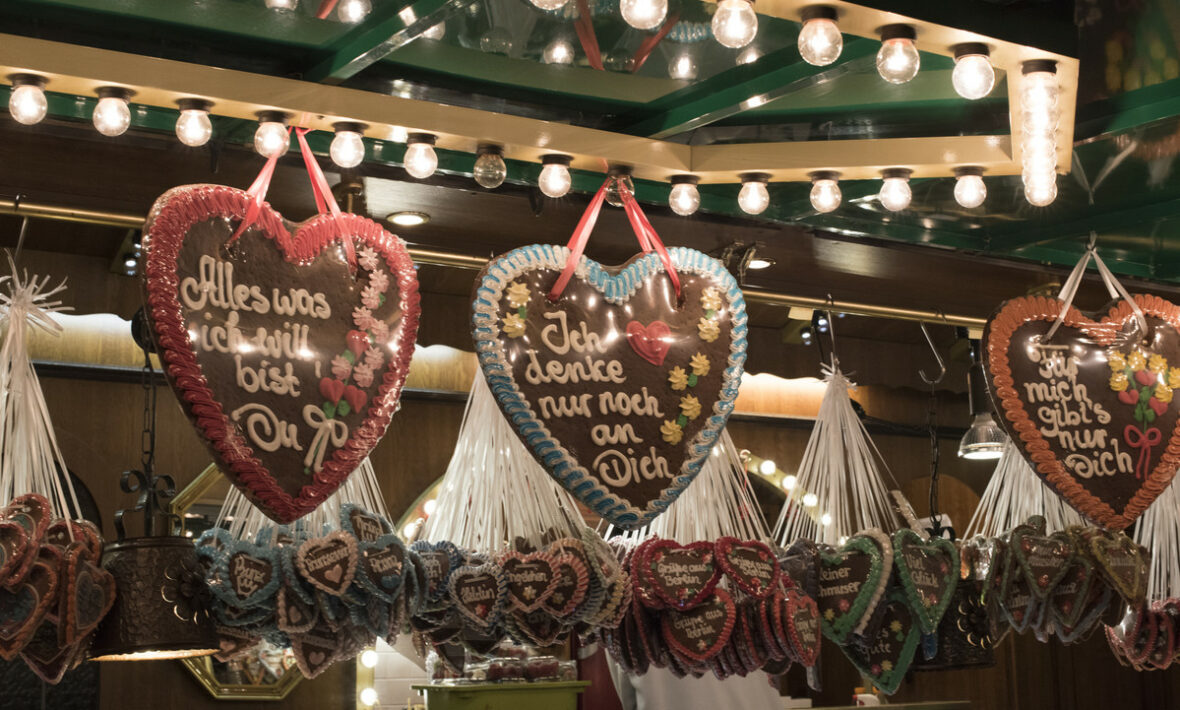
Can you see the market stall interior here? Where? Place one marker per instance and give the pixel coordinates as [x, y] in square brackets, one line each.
[808, 398]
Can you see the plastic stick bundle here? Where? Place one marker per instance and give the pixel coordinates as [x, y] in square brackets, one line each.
[494, 491]
[1013, 495]
[1159, 531]
[719, 503]
[841, 468]
[30, 460]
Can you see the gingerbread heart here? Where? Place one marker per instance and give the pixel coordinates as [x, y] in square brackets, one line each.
[573, 581]
[439, 560]
[800, 617]
[47, 656]
[1096, 603]
[16, 554]
[928, 571]
[887, 656]
[88, 593]
[249, 333]
[1092, 409]
[382, 566]
[23, 606]
[1044, 560]
[246, 575]
[535, 628]
[749, 564]
[852, 582]
[1067, 601]
[800, 565]
[702, 631]
[328, 563]
[1123, 563]
[315, 650]
[364, 526]
[479, 593]
[680, 576]
[63, 532]
[293, 614]
[619, 419]
[32, 512]
[1021, 607]
[530, 578]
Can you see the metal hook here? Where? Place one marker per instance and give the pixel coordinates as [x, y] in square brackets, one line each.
[831, 325]
[941, 365]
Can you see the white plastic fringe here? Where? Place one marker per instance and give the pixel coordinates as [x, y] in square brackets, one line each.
[1159, 531]
[29, 456]
[842, 468]
[494, 491]
[720, 502]
[1013, 495]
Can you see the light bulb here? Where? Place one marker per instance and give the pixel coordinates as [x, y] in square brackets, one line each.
[112, 115]
[754, 197]
[735, 23]
[271, 138]
[490, 170]
[549, 5]
[27, 102]
[895, 192]
[1039, 91]
[369, 696]
[1038, 141]
[420, 161]
[810, 500]
[430, 506]
[497, 40]
[643, 14]
[970, 192]
[193, 127]
[820, 41]
[685, 198]
[555, 180]
[973, 77]
[897, 60]
[369, 658]
[559, 51]
[682, 67]
[789, 483]
[436, 32]
[1042, 193]
[409, 529]
[767, 467]
[353, 11]
[348, 148]
[282, 4]
[825, 192]
[825, 519]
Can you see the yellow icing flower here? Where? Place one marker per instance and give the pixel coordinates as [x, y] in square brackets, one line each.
[518, 294]
[711, 299]
[829, 614]
[1157, 364]
[1136, 361]
[887, 665]
[671, 432]
[708, 329]
[513, 325]
[678, 378]
[1174, 377]
[1118, 381]
[895, 626]
[1163, 394]
[700, 365]
[690, 406]
[1116, 361]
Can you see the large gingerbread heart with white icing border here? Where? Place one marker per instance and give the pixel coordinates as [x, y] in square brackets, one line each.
[1092, 409]
[289, 364]
[618, 388]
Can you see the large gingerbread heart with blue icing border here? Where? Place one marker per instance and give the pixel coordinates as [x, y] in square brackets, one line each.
[619, 388]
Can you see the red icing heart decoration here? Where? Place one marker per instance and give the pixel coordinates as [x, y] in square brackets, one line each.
[680, 576]
[261, 339]
[650, 342]
[1092, 409]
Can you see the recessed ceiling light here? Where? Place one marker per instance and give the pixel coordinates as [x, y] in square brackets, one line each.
[760, 262]
[408, 219]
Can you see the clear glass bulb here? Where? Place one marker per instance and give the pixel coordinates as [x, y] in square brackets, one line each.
[369, 658]
[810, 500]
[193, 127]
[112, 116]
[421, 161]
[559, 51]
[437, 32]
[271, 139]
[895, 193]
[490, 170]
[27, 104]
[353, 11]
[754, 198]
[369, 696]
[430, 506]
[497, 40]
[549, 5]
[682, 67]
[735, 23]
[825, 195]
[973, 77]
[1041, 192]
[555, 180]
[789, 483]
[898, 60]
[282, 4]
[643, 14]
[970, 192]
[347, 149]
[684, 199]
[820, 41]
[767, 467]
[1039, 91]
[825, 519]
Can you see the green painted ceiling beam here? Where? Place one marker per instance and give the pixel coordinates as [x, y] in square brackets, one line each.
[773, 75]
[1093, 218]
[389, 26]
[1128, 110]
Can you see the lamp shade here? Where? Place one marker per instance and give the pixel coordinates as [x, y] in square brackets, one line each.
[160, 610]
[984, 438]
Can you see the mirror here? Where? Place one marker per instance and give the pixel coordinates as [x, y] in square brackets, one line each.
[268, 672]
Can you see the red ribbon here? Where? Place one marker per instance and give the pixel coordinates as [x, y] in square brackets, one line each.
[585, 29]
[649, 44]
[577, 243]
[1142, 440]
[257, 194]
[323, 194]
[325, 9]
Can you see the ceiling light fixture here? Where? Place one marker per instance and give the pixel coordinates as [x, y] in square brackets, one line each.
[27, 102]
[820, 41]
[970, 192]
[112, 115]
[973, 76]
[754, 196]
[825, 191]
[271, 137]
[555, 180]
[348, 146]
[898, 60]
[408, 219]
[490, 170]
[685, 197]
[735, 23]
[895, 194]
[193, 126]
[984, 439]
[420, 160]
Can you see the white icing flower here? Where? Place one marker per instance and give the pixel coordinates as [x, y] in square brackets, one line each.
[371, 297]
[518, 294]
[379, 280]
[362, 317]
[380, 330]
[367, 258]
[374, 358]
[363, 375]
[341, 368]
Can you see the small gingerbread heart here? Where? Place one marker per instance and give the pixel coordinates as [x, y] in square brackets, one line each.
[382, 567]
[479, 592]
[530, 577]
[852, 582]
[929, 572]
[702, 630]
[329, 562]
[750, 564]
[680, 576]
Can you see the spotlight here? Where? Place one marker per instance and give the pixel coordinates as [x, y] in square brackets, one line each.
[984, 438]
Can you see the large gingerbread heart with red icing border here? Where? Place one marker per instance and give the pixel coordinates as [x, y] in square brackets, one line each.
[619, 387]
[1092, 409]
[289, 364]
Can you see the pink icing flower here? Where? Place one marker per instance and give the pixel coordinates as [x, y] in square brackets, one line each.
[341, 368]
[371, 297]
[367, 258]
[374, 358]
[844, 605]
[363, 318]
[362, 374]
[380, 330]
[379, 280]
